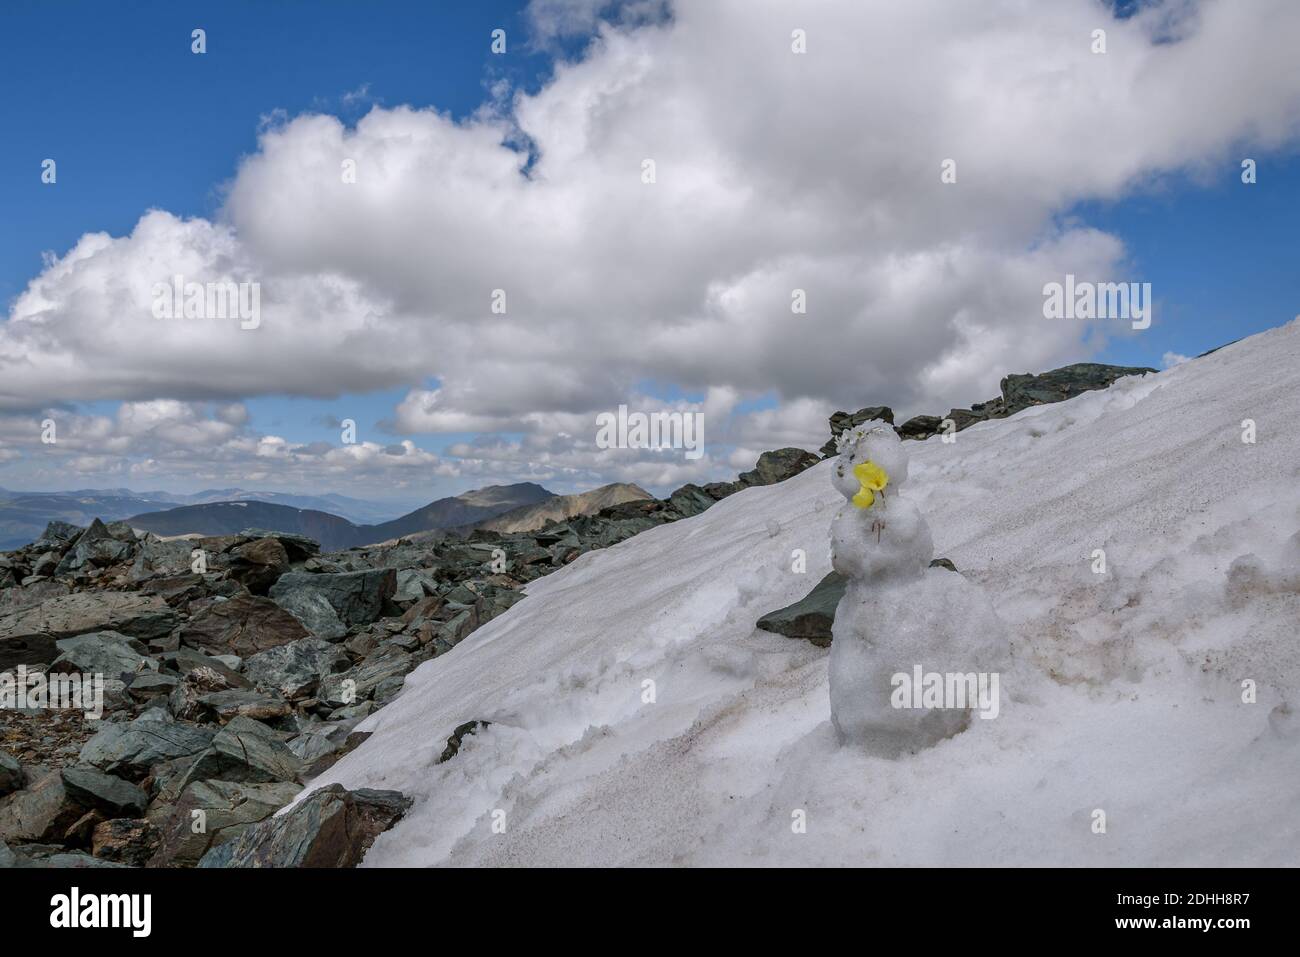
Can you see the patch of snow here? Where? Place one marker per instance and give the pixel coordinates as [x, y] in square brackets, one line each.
[1125, 693]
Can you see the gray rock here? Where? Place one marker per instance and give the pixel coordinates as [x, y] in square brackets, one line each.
[458, 736]
[106, 653]
[331, 827]
[223, 706]
[12, 776]
[315, 612]
[920, 427]
[295, 670]
[42, 812]
[106, 793]
[812, 616]
[1022, 391]
[777, 466]
[131, 750]
[358, 598]
[359, 683]
[98, 546]
[156, 558]
[28, 634]
[211, 813]
[245, 750]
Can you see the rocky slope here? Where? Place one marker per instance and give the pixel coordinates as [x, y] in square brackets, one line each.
[237, 669]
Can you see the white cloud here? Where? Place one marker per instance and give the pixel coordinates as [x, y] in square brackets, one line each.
[775, 171]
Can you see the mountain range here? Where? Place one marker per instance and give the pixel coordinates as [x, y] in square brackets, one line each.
[333, 531]
[24, 515]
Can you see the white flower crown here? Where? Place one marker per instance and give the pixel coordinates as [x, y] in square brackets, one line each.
[851, 437]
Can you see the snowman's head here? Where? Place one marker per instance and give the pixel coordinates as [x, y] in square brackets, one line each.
[874, 442]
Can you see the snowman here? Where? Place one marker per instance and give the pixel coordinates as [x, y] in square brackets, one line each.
[898, 615]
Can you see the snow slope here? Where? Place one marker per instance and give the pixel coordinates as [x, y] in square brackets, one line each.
[1125, 696]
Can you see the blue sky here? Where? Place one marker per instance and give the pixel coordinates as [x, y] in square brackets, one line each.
[135, 122]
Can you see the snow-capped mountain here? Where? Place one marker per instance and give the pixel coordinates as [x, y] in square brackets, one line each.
[638, 717]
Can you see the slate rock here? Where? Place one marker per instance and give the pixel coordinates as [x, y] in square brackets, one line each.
[106, 653]
[812, 616]
[28, 634]
[12, 776]
[458, 736]
[42, 812]
[920, 427]
[223, 706]
[226, 809]
[245, 750]
[131, 750]
[130, 841]
[295, 670]
[331, 827]
[106, 793]
[777, 466]
[314, 611]
[258, 564]
[243, 626]
[358, 598]
[1022, 391]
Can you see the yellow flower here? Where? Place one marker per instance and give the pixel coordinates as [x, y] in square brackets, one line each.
[872, 479]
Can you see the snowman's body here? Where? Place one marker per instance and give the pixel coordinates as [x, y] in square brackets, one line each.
[897, 613]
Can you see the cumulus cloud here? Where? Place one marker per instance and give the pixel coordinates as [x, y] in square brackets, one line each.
[774, 172]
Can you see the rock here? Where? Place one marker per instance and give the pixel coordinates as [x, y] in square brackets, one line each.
[773, 467]
[299, 548]
[690, 500]
[258, 564]
[125, 841]
[28, 635]
[98, 546]
[295, 670]
[414, 584]
[242, 626]
[245, 750]
[43, 812]
[361, 682]
[58, 536]
[226, 809]
[315, 612]
[149, 685]
[12, 776]
[183, 661]
[223, 706]
[847, 420]
[358, 598]
[457, 736]
[131, 750]
[157, 558]
[107, 653]
[920, 427]
[812, 616]
[1022, 391]
[105, 793]
[331, 827]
